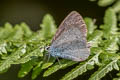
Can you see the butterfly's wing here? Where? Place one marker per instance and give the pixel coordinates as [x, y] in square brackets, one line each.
[70, 39]
[73, 18]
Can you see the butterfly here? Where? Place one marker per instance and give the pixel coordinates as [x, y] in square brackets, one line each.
[70, 41]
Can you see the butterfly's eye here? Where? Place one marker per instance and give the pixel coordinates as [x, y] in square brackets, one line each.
[46, 48]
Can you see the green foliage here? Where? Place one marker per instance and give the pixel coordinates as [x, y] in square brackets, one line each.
[105, 2]
[110, 23]
[57, 66]
[26, 67]
[95, 38]
[116, 6]
[48, 26]
[83, 67]
[20, 45]
[90, 25]
[118, 78]
[26, 29]
[101, 72]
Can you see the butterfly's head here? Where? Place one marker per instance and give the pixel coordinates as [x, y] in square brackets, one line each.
[46, 48]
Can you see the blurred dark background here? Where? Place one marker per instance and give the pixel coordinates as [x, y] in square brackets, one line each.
[32, 12]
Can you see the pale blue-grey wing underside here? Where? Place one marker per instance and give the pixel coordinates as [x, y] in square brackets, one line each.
[70, 39]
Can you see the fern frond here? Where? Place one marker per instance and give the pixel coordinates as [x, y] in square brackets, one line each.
[57, 66]
[36, 37]
[3, 46]
[26, 68]
[90, 25]
[6, 31]
[116, 78]
[4, 64]
[82, 67]
[41, 66]
[112, 44]
[103, 70]
[17, 33]
[4, 71]
[26, 29]
[38, 52]
[37, 70]
[95, 38]
[116, 6]
[104, 3]
[48, 26]
[110, 23]
[48, 64]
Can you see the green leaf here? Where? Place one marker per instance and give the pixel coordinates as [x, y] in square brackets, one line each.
[38, 52]
[116, 78]
[26, 68]
[104, 3]
[37, 70]
[3, 46]
[17, 34]
[110, 23]
[116, 6]
[4, 71]
[90, 25]
[6, 31]
[4, 64]
[46, 65]
[41, 66]
[82, 67]
[26, 29]
[103, 70]
[57, 66]
[48, 26]
[95, 38]
[111, 45]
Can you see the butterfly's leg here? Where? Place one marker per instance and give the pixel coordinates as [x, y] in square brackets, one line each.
[44, 59]
[48, 57]
[58, 60]
[47, 54]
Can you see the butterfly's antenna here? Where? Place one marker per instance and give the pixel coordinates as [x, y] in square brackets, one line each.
[58, 60]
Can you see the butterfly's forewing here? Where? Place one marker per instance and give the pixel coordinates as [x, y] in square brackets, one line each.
[73, 18]
[69, 41]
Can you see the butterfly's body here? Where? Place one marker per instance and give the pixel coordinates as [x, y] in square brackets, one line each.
[70, 39]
